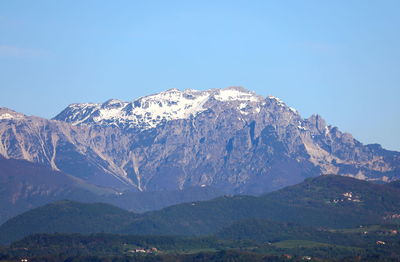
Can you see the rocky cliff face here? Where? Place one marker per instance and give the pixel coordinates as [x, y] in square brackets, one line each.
[231, 139]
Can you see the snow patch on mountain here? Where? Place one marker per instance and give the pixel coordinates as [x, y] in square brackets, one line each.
[8, 114]
[235, 94]
[173, 104]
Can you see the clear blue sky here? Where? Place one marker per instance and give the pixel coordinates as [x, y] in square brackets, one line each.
[340, 59]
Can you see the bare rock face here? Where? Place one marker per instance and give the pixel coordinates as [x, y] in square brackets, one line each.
[230, 139]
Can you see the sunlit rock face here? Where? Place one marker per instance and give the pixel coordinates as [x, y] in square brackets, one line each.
[231, 139]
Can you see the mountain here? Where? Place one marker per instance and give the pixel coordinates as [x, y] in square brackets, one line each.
[25, 185]
[157, 109]
[57, 145]
[64, 217]
[323, 202]
[229, 139]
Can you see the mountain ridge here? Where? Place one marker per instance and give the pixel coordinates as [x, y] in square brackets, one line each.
[238, 142]
[152, 110]
[327, 202]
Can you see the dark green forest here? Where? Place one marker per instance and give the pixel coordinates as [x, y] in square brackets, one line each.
[327, 218]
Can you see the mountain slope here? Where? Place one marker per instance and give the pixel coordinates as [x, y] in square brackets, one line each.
[59, 146]
[25, 185]
[313, 203]
[229, 139]
[263, 230]
[64, 217]
[338, 193]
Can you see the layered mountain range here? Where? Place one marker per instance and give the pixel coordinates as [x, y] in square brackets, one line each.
[230, 139]
[324, 202]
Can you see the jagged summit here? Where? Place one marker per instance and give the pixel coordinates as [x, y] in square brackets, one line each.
[150, 111]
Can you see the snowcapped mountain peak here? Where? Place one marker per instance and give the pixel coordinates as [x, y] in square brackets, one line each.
[225, 94]
[149, 111]
[152, 110]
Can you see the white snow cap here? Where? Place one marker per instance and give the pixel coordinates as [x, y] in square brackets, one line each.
[149, 111]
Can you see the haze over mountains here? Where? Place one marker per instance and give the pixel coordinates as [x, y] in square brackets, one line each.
[224, 140]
